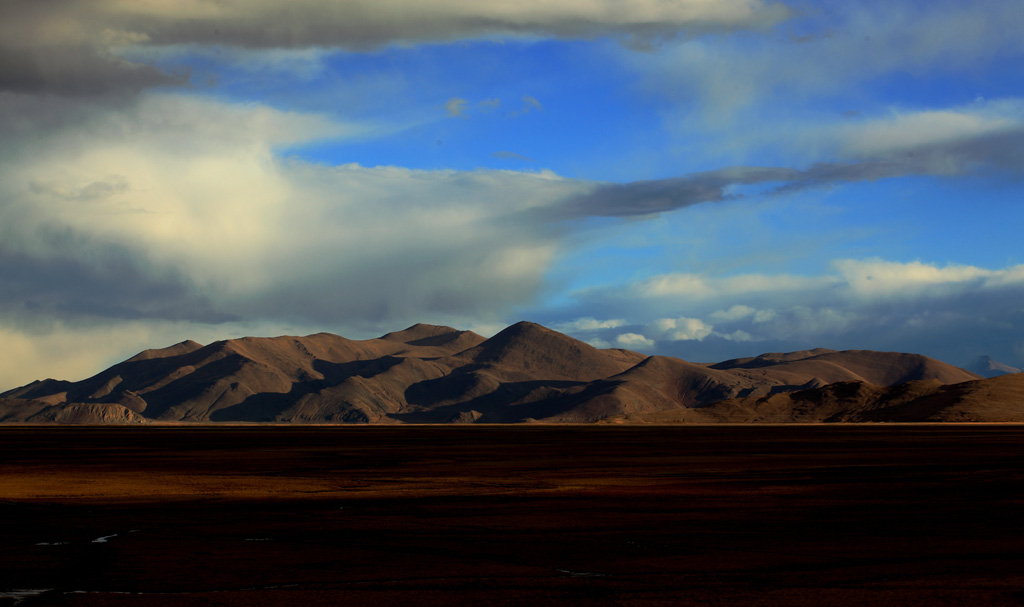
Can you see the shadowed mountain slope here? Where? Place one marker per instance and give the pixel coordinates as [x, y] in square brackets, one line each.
[664, 383]
[436, 374]
[999, 399]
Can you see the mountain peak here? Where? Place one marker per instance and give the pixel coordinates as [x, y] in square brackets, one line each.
[418, 331]
[184, 347]
[523, 333]
[537, 350]
[986, 366]
[770, 358]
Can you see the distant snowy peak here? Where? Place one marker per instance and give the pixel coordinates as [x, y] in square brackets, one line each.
[986, 367]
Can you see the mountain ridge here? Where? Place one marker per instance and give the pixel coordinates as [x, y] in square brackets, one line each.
[438, 374]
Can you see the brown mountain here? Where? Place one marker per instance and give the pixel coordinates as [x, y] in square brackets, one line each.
[669, 384]
[998, 399]
[435, 374]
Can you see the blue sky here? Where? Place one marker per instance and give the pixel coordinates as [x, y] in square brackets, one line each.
[704, 180]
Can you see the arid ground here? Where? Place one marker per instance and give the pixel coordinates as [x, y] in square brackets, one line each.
[513, 515]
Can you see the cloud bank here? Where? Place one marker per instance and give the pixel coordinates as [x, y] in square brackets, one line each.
[179, 209]
[951, 312]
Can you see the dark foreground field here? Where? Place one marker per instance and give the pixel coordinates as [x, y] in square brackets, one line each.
[524, 515]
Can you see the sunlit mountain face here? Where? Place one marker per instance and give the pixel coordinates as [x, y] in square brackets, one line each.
[698, 180]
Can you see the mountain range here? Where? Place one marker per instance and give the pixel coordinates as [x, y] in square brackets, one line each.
[525, 373]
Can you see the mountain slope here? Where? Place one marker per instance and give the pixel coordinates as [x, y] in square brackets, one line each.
[669, 384]
[246, 379]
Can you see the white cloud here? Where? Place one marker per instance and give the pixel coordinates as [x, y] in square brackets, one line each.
[735, 312]
[695, 286]
[190, 195]
[738, 335]
[944, 311]
[633, 340]
[691, 328]
[866, 280]
[588, 324]
[1006, 277]
[908, 130]
[680, 329]
[690, 285]
[876, 278]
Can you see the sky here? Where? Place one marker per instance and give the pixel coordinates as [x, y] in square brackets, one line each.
[693, 178]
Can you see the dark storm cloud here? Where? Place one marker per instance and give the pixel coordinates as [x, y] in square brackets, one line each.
[360, 24]
[658, 196]
[76, 70]
[641, 198]
[1002, 150]
[78, 48]
[78, 278]
[68, 48]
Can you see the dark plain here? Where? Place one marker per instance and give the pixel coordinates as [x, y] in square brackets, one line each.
[513, 515]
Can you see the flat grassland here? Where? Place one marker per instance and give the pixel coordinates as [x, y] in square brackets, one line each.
[513, 515]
